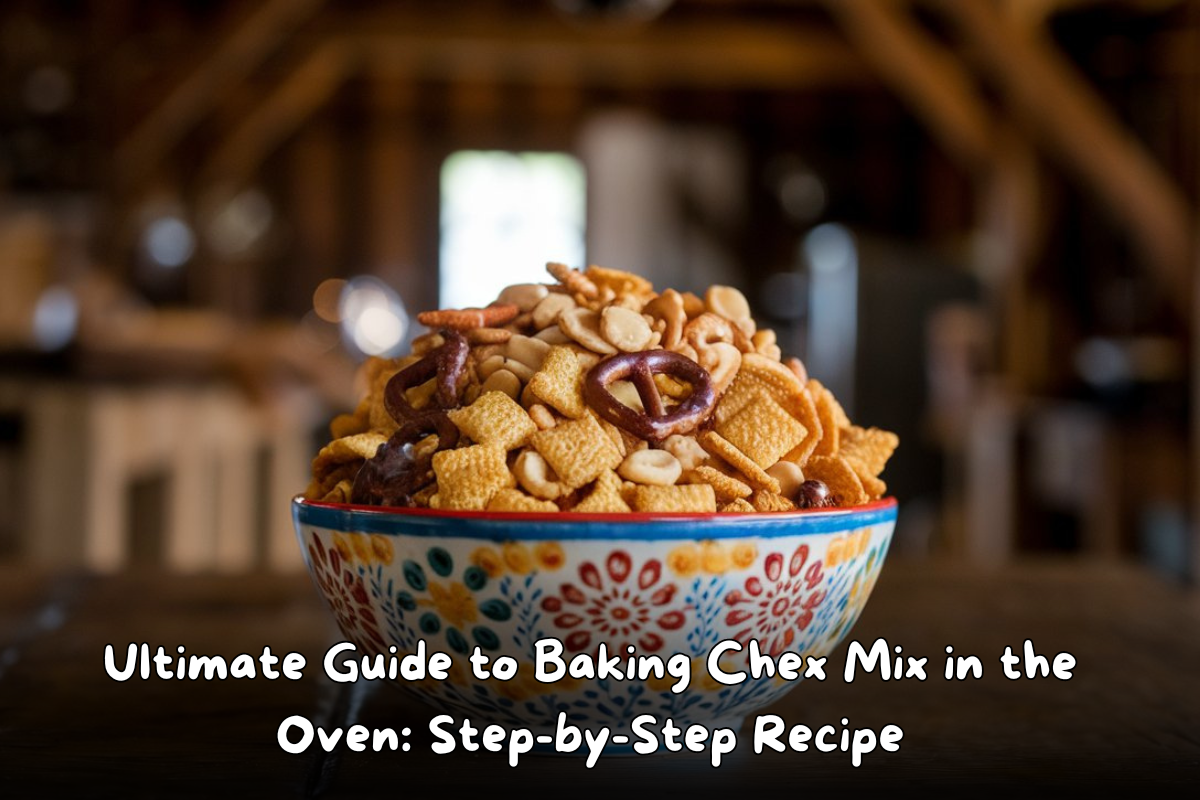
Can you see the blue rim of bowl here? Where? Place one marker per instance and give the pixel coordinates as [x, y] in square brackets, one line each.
[630, 525]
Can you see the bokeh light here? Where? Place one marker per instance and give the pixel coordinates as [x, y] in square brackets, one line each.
[373, 317]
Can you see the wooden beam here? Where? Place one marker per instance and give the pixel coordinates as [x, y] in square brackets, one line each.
[704, 56]
[1071, 121]
[300, 94]
[924, 74]
[693, 55]
[233, 59]
[1033, 14]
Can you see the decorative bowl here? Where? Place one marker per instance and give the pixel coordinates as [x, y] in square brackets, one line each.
[662, 583]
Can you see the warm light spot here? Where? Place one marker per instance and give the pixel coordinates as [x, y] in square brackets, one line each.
[503, 216]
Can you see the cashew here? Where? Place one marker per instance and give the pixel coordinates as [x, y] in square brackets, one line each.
[651, 468]
[686, 450]
[668, 308]
[765, 344]
[534, 476]
[722, 361]
[693, 306]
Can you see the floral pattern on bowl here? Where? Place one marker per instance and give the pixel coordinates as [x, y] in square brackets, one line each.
[662, 584]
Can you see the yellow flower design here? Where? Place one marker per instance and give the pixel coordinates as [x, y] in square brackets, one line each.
[683, 560]
[488, 560]
[743, 555]
[713, 558]
[833, 556]
[517, 558]
[549, 555]
[362, 548]
[343, 547]
[381, 547]
[453, 603]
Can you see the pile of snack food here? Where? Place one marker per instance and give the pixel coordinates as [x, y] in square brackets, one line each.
[596, 393]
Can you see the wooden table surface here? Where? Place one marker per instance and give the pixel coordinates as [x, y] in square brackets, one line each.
[1129, 718]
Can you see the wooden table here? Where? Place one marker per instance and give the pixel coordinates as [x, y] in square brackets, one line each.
[1130, 716]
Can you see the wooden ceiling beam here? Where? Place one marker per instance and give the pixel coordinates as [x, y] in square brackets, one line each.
[703, 56]
[234, 57]
[294, 100]
[694, 55]
[1070, 121]
[927, 76]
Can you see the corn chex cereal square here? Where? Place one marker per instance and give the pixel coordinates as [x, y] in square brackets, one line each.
[779, 380]
[605, 496]
[469, 477]
[873, 486]
[763, 430]
[346, 449]
[726, 487]
[830, 414]
[559, 383]
[837, 473]
[721, 447]
[320, 486]
[495, 418]
[871, 446]
[740, 392]
[516, 500]
[805, 410]
[578, 451]
[763, 500]
[690, 498]
[348, 424]
[339, 493]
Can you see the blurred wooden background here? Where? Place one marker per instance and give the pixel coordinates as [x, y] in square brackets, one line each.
[1019, 179]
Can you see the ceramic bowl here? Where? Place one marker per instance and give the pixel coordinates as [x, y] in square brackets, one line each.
[663, 584]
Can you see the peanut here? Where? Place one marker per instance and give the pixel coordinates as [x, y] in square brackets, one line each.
[552, 335]
[624, 329]
[789, 476]
[524, 296]
[583, 326]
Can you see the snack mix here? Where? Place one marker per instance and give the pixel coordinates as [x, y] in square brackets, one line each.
[597, 394]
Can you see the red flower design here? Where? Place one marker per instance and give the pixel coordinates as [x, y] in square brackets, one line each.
[775, 610]
[613, 608]
[347, 597]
